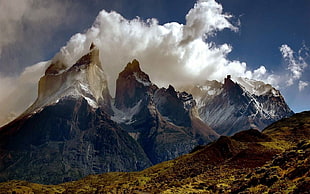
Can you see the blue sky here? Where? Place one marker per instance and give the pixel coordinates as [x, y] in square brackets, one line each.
[34, 31]
[265, 25]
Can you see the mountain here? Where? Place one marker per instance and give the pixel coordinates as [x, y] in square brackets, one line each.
[165, 122]
[68, 132]
[85, 79]
[236, 106]
[275, 160]
[75, 128]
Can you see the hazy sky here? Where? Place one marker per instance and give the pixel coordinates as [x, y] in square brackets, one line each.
[187, 41]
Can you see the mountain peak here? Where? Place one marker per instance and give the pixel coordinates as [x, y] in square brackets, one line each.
[131, 85]
[58, 67]
[92, 46]
[91, 58]
[239, 105]
[172, 91]
[85, 79]
[228, 83]
[134, 66]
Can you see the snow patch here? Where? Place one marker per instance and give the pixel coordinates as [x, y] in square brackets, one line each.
[84, 87]
[205, 88]
[257, 88]
[91, 102]
[125, 116]
[212, 92]
[135, 136]
[145, 83]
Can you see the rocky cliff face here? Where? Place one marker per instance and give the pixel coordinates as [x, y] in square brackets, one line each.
[162, 120]
[85, 78]
[68, 133]
[131, 86]
[236, 106]
[67, 141]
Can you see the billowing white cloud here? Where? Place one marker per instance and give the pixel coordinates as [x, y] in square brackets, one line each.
[296, 64]
[205, 19]
[171, 53]
[302, 85]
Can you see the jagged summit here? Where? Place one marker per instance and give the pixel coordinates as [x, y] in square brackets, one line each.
[232, 87]
[227, 79]
[171, 91]
[85, 79]
[162, 120]
[134, 66]
[228, 83]
[91, 58]
[58, 67]
[238, 105]
[69, 127]
[92, 46]
[131, 85]
[133, 71]
[257, 88]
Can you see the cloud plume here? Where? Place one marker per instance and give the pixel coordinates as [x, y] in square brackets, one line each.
[205, 19]
[171, 53]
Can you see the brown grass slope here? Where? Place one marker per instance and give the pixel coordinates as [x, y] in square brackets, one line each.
[276, 160]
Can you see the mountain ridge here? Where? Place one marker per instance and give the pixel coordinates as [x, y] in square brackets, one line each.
[74, 108]
[144, 124]
[235, 106]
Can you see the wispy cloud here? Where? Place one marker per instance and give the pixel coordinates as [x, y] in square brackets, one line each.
[296, 64]
[302, 85]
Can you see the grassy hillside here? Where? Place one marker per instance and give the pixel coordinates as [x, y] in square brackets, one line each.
[276, 160]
